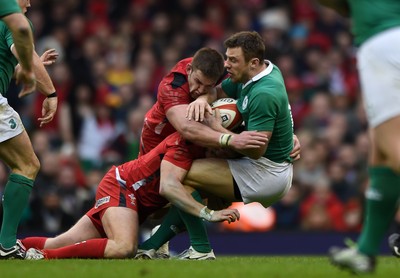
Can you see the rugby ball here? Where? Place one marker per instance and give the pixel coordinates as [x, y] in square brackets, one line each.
[230, 115]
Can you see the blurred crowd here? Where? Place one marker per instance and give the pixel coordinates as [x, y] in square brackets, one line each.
[113, 55]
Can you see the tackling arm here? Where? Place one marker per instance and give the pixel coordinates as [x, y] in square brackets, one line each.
[172, 189]
[22, 37]
[205, 136]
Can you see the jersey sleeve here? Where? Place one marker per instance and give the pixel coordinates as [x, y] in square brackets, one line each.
[180, 156]
[8, 7]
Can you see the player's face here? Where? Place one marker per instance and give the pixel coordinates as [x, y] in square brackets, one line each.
[236, 65]
[24, 5]
[198, 83]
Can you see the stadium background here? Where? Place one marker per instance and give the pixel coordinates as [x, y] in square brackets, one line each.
[114, 53]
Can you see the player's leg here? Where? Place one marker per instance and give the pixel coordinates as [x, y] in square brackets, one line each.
[173, 223]
[18, 154]
[384, 190]
[83, 240]
[379, 71]
[121, 226]
[212, 176]
[170, 226]
[82, 230]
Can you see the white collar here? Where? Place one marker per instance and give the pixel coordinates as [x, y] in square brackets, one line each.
[263, 73]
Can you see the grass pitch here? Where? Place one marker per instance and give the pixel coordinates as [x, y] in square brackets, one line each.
[224, 267]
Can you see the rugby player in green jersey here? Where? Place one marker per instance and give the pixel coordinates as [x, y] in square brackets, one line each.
[10, 13]
[263, 174]
[15, 146]
[376, 29]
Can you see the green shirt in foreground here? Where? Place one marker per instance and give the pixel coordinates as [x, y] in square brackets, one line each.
[7, 59]
[8, 7]
[370, 17]
[264, 105]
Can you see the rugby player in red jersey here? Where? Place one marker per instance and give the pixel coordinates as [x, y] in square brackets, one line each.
[128, 194]
[187, 80]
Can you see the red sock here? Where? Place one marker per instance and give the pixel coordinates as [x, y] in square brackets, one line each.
[34, 242]
[92, 248]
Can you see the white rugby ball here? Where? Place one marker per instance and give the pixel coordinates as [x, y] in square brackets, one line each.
[230, 115]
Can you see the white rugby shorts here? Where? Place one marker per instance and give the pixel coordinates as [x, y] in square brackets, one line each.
[261, 180]
[379, 69]
[10, 122]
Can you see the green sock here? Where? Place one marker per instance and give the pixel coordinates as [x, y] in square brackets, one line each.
[15, 199]
[170, 226]
[381, 205]
[196, 228]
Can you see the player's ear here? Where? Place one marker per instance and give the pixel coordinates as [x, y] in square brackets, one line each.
[189, 68]
[254, 63]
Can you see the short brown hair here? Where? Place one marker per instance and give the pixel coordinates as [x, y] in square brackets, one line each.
[210, 62]
[251, 43]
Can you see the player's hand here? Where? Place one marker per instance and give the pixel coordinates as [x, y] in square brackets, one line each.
[27, 79]
[49, 57]
[295, 154]
[197, 109]
[49, 108]
[214, 120]
[248, 140]
[230, 215]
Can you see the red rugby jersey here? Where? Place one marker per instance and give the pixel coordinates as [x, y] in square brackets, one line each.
[143, 174]
[173, 90]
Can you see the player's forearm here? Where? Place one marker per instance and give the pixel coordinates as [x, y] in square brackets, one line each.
[44, 83]
[180, 198]
[202, 135]
[22, 37]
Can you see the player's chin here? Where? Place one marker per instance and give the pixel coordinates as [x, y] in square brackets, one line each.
[233, 78]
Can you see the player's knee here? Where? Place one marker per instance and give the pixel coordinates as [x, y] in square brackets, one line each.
[27, 168]
[33, 168]
[124, 249]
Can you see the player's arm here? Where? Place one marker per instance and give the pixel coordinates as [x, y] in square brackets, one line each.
[191, 130]
[205, 136]
[254, 153]
[200, 106]
[22, 37]
[172, 189]
[45, 86]
[341, 6]
[44, 83]
[197, 109]
[23, 41]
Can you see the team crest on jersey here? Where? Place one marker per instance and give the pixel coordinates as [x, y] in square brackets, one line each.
[133, 199]
[102, 201]
[12, 123]
[245, 102]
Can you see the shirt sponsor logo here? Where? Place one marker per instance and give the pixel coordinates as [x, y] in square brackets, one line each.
[102, 201]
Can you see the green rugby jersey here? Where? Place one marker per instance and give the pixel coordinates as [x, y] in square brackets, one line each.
[8, 7]
[370, 17]
[264, 105]
[7, 59]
